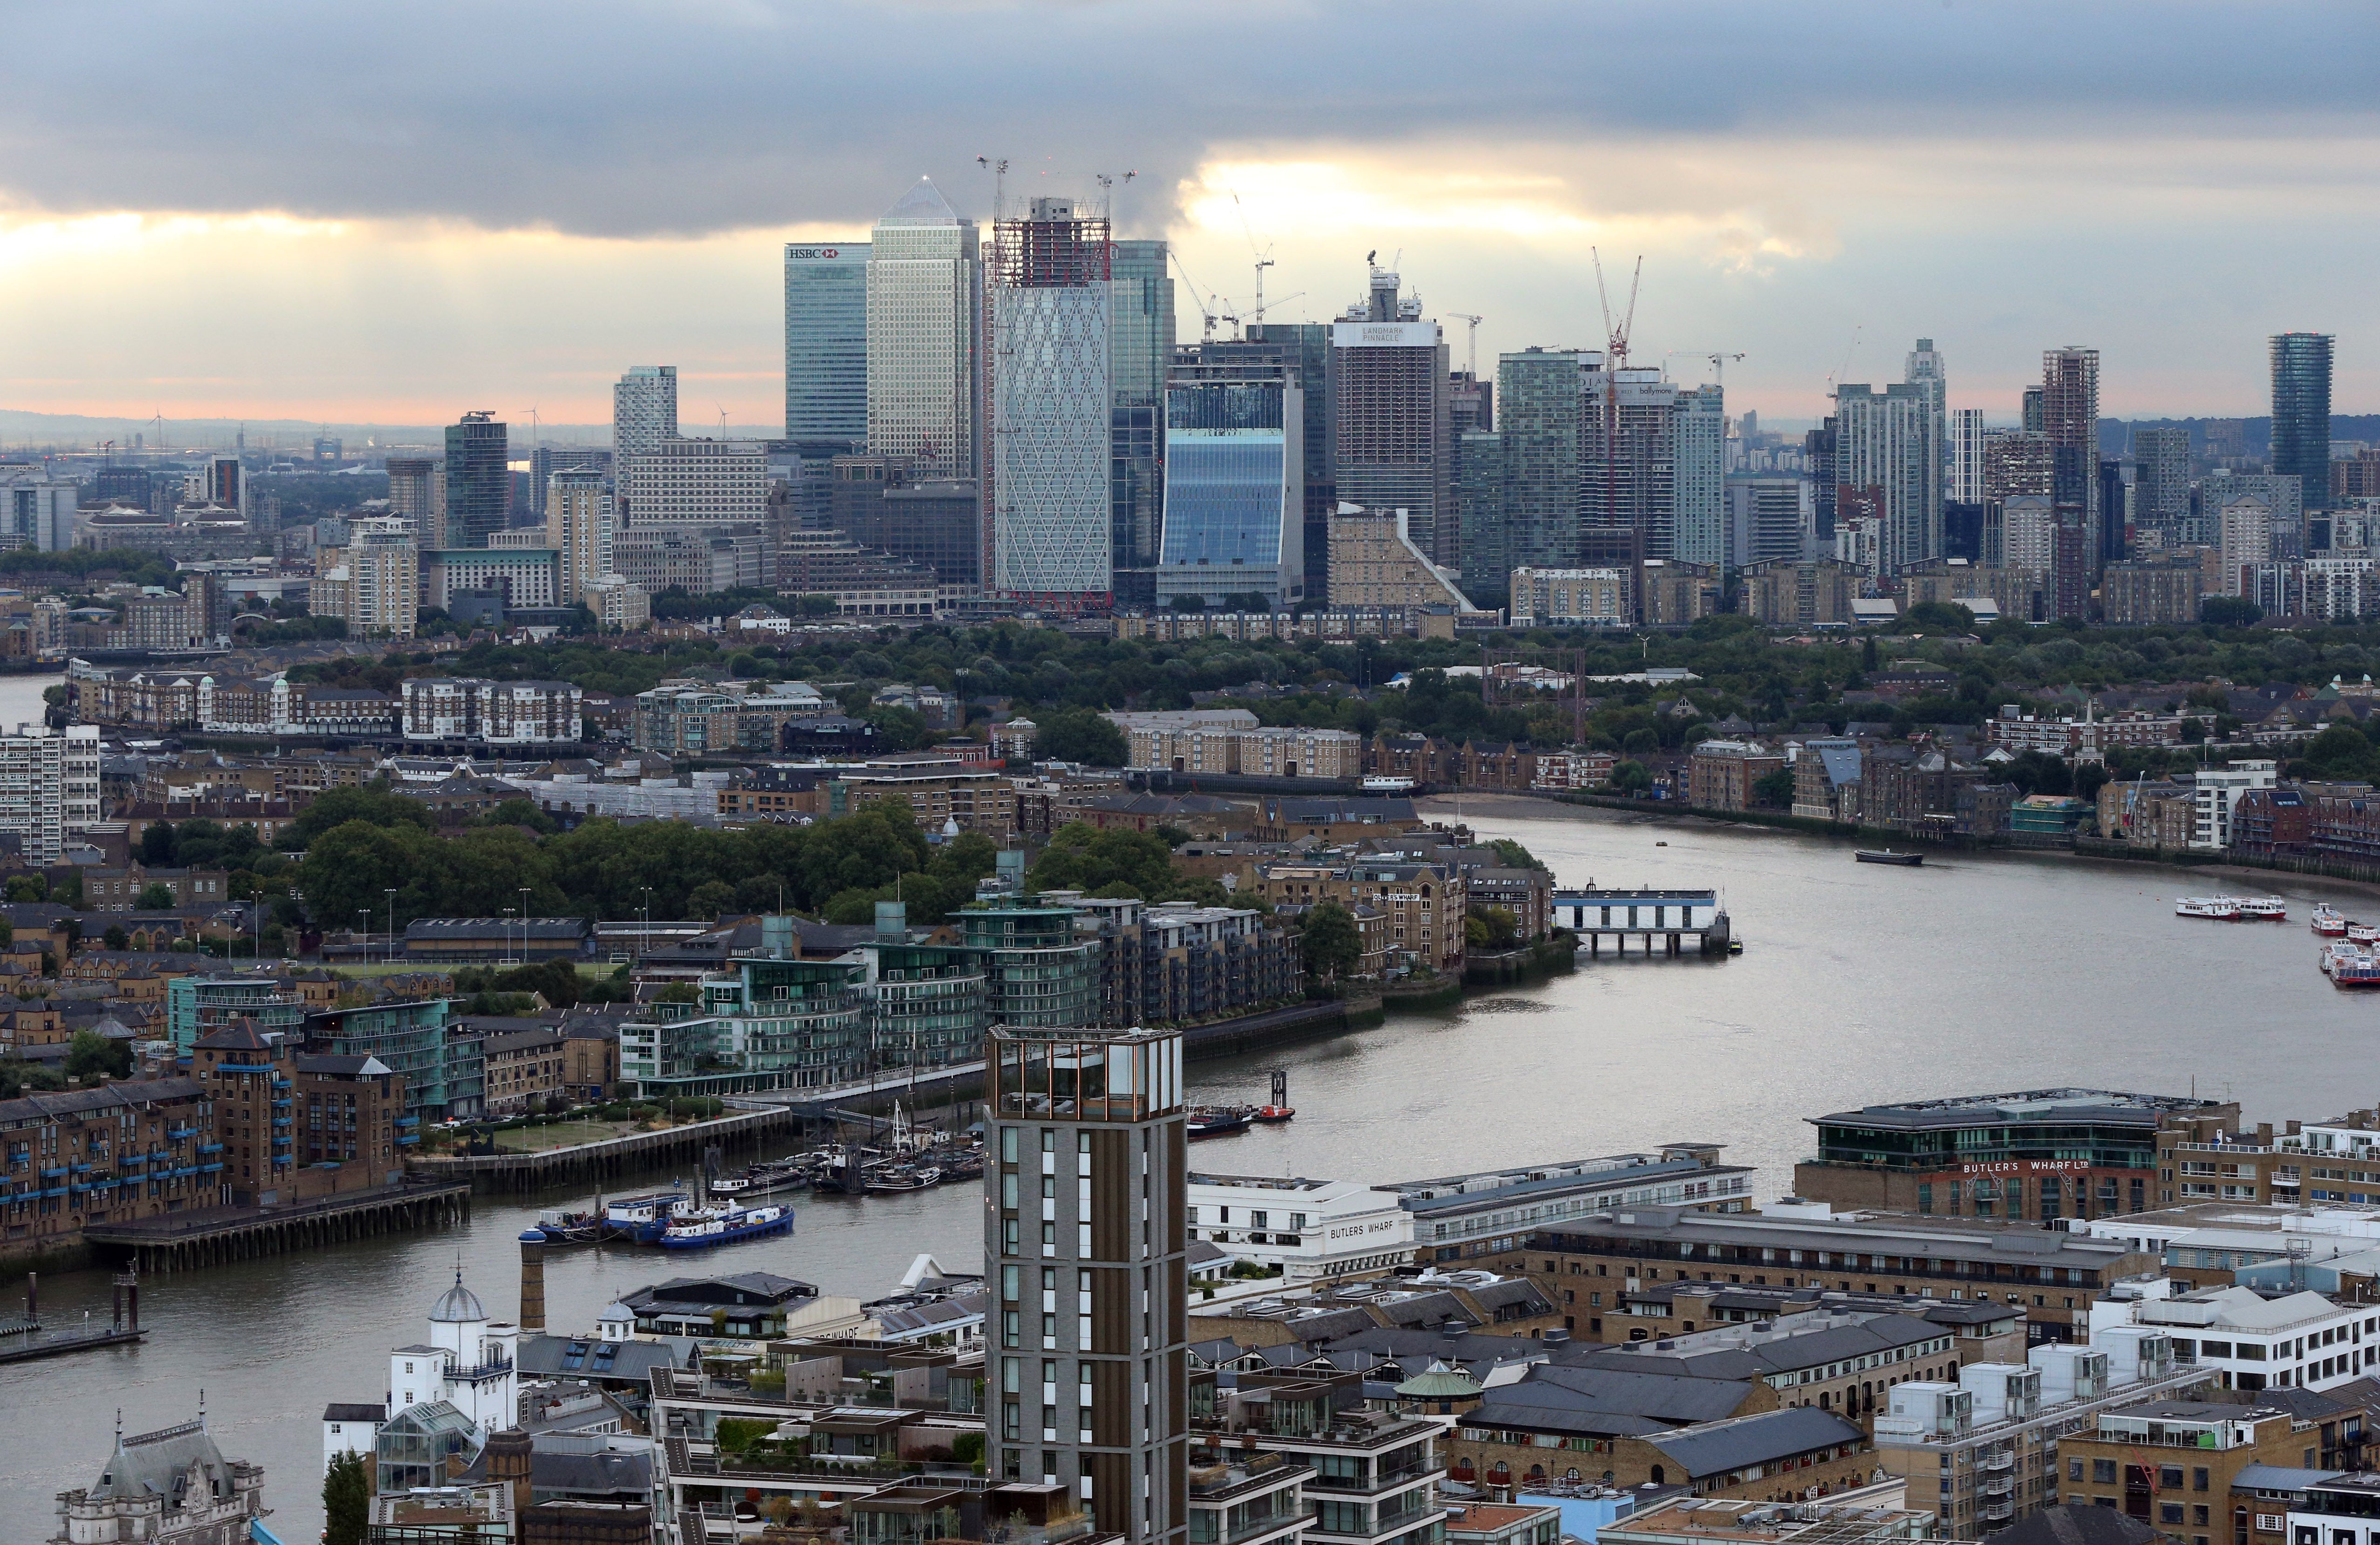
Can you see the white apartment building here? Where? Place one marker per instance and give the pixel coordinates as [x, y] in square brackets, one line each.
[490, 712]
[924, 279]
[1698, 480]
[38, 510]
[580, 516]
[1963, 456]
[2215, 794]
[685, 483]
[2028, 524]
[49, 787]
[644, 410]
[526, 576]
[374, 582]
[2247, 526]
[1309, 1228]
[2249, 1341]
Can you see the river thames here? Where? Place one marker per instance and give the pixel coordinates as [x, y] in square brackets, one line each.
[1974, 974]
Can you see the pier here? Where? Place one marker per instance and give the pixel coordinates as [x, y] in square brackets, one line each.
[185, 1241]
[607, 1159]
[118, 1332]
[1663, 918]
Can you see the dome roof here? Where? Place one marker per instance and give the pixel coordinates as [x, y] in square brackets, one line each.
[1439, 1382]
[458, 1305]
[617, 1312]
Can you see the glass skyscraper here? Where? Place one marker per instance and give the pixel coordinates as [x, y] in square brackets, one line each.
[1697, 486]
[1540, 398]
[479, 480]
[1234, 489]
[1304, 346]
[2302, 413]
[1051, 498]
[1140, 342]
[826, 341]
[924, 284]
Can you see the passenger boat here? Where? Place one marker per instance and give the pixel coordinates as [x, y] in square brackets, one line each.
[1216, 1120]
[2351, 968]
[2269, 909]
[1886, 856]
[2328, 922]
[2220, 909]
[1272, 1115]
[642, 1219]
[2362, 933]
[717, 1225]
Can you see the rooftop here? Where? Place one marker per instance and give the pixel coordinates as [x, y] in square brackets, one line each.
[2055, 1106]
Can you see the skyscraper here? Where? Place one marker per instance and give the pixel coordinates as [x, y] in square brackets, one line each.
[644, 410]
[1140, 342]
[1963, 456]
[2161, 491]
[1627, 464]
[479, 480]
[1698, 486]
[1051, 409]
[417, 493]
[826, 341]
[1888, 441]
[2302, 413]
[1479, 489]
[1234, 487]
[924, 279]
[1304, 346]
[1393, 432]
[549, 459]
[1543, 398]
[1084, 1233]
[2070, 417]
[578, 525]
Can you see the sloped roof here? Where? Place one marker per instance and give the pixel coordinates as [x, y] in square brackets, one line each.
[157, 1464]
[923, 204]
[1716, 1448]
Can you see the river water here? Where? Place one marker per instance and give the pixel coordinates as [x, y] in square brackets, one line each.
[1858, 983]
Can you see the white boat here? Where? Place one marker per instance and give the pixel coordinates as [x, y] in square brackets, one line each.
[2221, 908]
[2327, 922]
[729, 1186]
[2362, 933]
[2264, 908]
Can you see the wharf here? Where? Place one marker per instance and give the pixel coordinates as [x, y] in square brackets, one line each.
[608, 1159]
[32, 1347]
[182, 1241]
[1664, 918]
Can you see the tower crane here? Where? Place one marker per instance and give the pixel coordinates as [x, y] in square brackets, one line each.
[1264, 256]
[1474, 321]
[1206, 311]
[1719, 362]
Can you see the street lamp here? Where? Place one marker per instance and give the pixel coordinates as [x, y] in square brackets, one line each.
[524, 895]
[644, 937]
[365, 913]
[392, 925]
[508, 936]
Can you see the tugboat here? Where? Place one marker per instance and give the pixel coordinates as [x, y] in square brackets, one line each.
[1278, 1110]
[717, 1225]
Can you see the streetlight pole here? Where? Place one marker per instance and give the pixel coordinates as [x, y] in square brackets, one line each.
[392, 926]
[508, 936]
[365, 913]
[524, 895]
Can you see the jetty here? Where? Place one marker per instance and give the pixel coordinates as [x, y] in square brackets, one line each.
[1663, 918]
[184, 1241]
[22, 1338]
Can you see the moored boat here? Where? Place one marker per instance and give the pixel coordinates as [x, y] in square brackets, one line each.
[642, 1219]
[1272, 1114]
[902, 1177]
[1886, 856]
[718, 1226]
[2219, 908]
[570, 1228]
[1215, 1121]
[2264, 909]
[2328, 922]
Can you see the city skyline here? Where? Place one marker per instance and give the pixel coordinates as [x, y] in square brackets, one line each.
[2117, 194]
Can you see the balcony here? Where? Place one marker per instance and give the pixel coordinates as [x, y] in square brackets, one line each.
[2000, 1460]
[1999, 1513]
[178, 1133]
[1996, 1487]
[206, 1148]
[482, 1372]
[53, 1174]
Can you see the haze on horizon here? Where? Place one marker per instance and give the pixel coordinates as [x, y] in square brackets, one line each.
[354, 215]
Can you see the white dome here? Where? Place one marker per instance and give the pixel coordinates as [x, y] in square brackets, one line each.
[458, 1305]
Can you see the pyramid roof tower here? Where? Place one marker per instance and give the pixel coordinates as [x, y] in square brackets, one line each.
[922, 205]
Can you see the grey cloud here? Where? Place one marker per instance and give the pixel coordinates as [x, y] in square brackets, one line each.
[641, 119]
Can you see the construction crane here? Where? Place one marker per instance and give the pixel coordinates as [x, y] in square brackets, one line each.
[1617, 336]
[1204, 311]
[1107, 191]
[1264, 256]
[998, 167]
[1719, 362]
[1615, 360]
[1474, 321]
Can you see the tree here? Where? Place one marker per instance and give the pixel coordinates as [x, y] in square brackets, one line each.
[519, 812]
[1632, 777]
[372, 804]
[815, 606]
[157, 844]
[1774, 790]
[2230, 611]
[92, 1053]
[1517, 857]
[346, 1500]
[116, 937]
[1331, 944]
[156, 896]
[1933, 616]
[1080, 857]
[28, 887]
[1080, 734]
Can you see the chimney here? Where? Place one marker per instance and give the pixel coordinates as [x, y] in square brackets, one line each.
[532, 1282]
[508, 1465]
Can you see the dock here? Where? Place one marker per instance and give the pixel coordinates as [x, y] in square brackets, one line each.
[1663, 918]
[187, 1241]
[119, 1330]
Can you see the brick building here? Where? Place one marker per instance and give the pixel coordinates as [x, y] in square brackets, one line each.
[524, 1069]
[294, 1124]
[124, 1150]
[1721, 774]
[1424, 904]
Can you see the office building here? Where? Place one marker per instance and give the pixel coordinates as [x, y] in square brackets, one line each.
[644, 410]
[1543, 397]
[2070, 417]
[479, 480]
[698, 560]
[826, 342]
[1303, 349]
[38, 510]
[1083, 1231]
[1140, 349]
[692, 483]
[924, 280]
[880, 503]
[2283, 493]
[1697, 492]
[2161, 484]
[374, 582]
[1888, 445]
[2302, 412]
[578, 527]
[524, 577]
[546, 460]
[223, 482]
[1963, 456]
[1393, 433]
[1235, 494]
[1049, 486]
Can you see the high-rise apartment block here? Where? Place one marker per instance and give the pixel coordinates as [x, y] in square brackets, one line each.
[693, 482]
[1234, 485]
[1479, 477]
[578, 526]
[1627, 464]
[417, 493]
[374, 582]
[2161, 488]
[1889, 441]
[1140, 347]
[37, 509]
[1542, 395]
[2302, 413]
[2070, 417]
[1084, 1240]
[546, 460]
[925, 283]
[1051, 409]
[49, 787]
[1393, 432]
[644, 410]
[479, 482]
[1697, 485]
[826, 342]
[1963, 456]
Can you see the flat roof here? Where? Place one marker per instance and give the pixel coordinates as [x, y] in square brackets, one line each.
[1454, 1192]
[2029, 1107]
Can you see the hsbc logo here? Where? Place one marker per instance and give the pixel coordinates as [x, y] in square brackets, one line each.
[811, 253]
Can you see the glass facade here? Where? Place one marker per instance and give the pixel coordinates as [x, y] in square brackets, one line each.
[2124, 1146]
[2302, 413]
[826, 341]
[1052, 506]
[924, 284]
[479, 482]
[1303, 349]
[1140, 342]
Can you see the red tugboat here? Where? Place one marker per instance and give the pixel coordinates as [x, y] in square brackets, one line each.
[1279, 1109]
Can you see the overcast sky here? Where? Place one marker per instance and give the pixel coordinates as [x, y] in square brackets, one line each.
[395, 212]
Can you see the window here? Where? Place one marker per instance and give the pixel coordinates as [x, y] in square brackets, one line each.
[2103, 1472]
